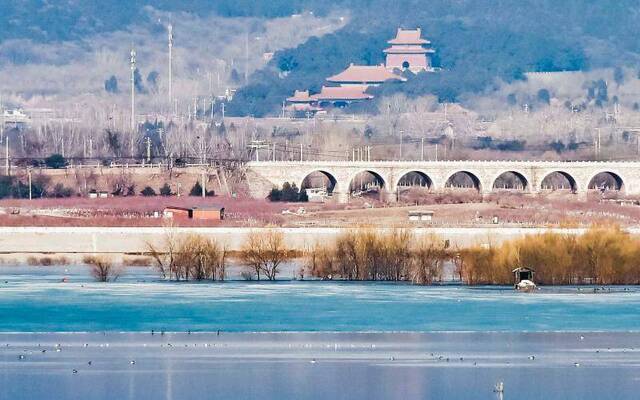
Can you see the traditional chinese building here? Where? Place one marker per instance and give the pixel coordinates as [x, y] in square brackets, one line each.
[409, 51]
[340, 96]
[364, 75]
[302, 102]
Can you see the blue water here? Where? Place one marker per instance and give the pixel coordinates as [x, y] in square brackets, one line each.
[39, 302]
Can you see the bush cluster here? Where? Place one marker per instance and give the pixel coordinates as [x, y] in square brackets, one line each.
[289, 193]
[603, 256]
[193, 257]
[373, 256]
[13, 187]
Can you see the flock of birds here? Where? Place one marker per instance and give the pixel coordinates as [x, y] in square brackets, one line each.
[498, 387]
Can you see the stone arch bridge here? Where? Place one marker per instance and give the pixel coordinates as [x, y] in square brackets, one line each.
[263, 176]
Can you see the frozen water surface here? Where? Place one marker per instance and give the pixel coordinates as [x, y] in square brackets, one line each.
[454, 365]
[37, 301]
[310, 340]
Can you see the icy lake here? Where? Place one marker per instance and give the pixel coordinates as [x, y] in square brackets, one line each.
[144, 338]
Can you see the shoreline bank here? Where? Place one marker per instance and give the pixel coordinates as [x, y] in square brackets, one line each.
[18, 241]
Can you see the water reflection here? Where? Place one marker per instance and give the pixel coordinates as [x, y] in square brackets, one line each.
[320, 366]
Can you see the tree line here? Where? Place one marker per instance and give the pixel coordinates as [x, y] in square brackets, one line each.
[603, 256]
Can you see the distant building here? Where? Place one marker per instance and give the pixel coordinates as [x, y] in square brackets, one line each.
[208, 213]
[301, 101]
[176, 212]
[421, 215]
[340, 96]
[408, 51]
[211, 213]
[364, 75]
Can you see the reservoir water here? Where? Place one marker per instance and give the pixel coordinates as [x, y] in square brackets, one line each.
[37, 300]
[143, 338]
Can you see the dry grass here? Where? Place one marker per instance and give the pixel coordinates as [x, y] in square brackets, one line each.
[45, 261]
[137, 261]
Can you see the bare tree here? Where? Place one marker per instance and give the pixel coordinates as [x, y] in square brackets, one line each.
[192, 257]
[102, 268]
[264, 252]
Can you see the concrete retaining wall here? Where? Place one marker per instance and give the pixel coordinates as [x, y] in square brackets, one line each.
[72, 240]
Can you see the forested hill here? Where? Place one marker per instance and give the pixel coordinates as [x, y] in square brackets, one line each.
[476, 40]
[59, 20]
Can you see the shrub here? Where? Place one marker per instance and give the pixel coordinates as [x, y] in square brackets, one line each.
[102, 268]
[137, 261]
[148, 191]
[55, 161]
[165, 190]
[46, 261]
[60, 191]
[196, 190]
[289, 193]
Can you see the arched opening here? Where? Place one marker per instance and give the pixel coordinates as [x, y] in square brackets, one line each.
[463, 180]
[405, 65]
[366, 184]
[319, 183]
[511, 180]
[413, 185]
[606, 181]
[559, 181]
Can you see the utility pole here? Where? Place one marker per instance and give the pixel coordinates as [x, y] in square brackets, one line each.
[148, 140]
[212, 103]
[29, 173]
[246, 59]
[257, 145]
[2, 122]
[6, 155]
[195, 108]
[422, 149]
[133, 89]
[170, 65]
[204, 185]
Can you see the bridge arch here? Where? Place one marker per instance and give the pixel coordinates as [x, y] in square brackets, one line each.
[511, 180]
[606, 180]
[463, 179]
[311, 179]
[414, 176]
[366, 179]
[555, 178]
